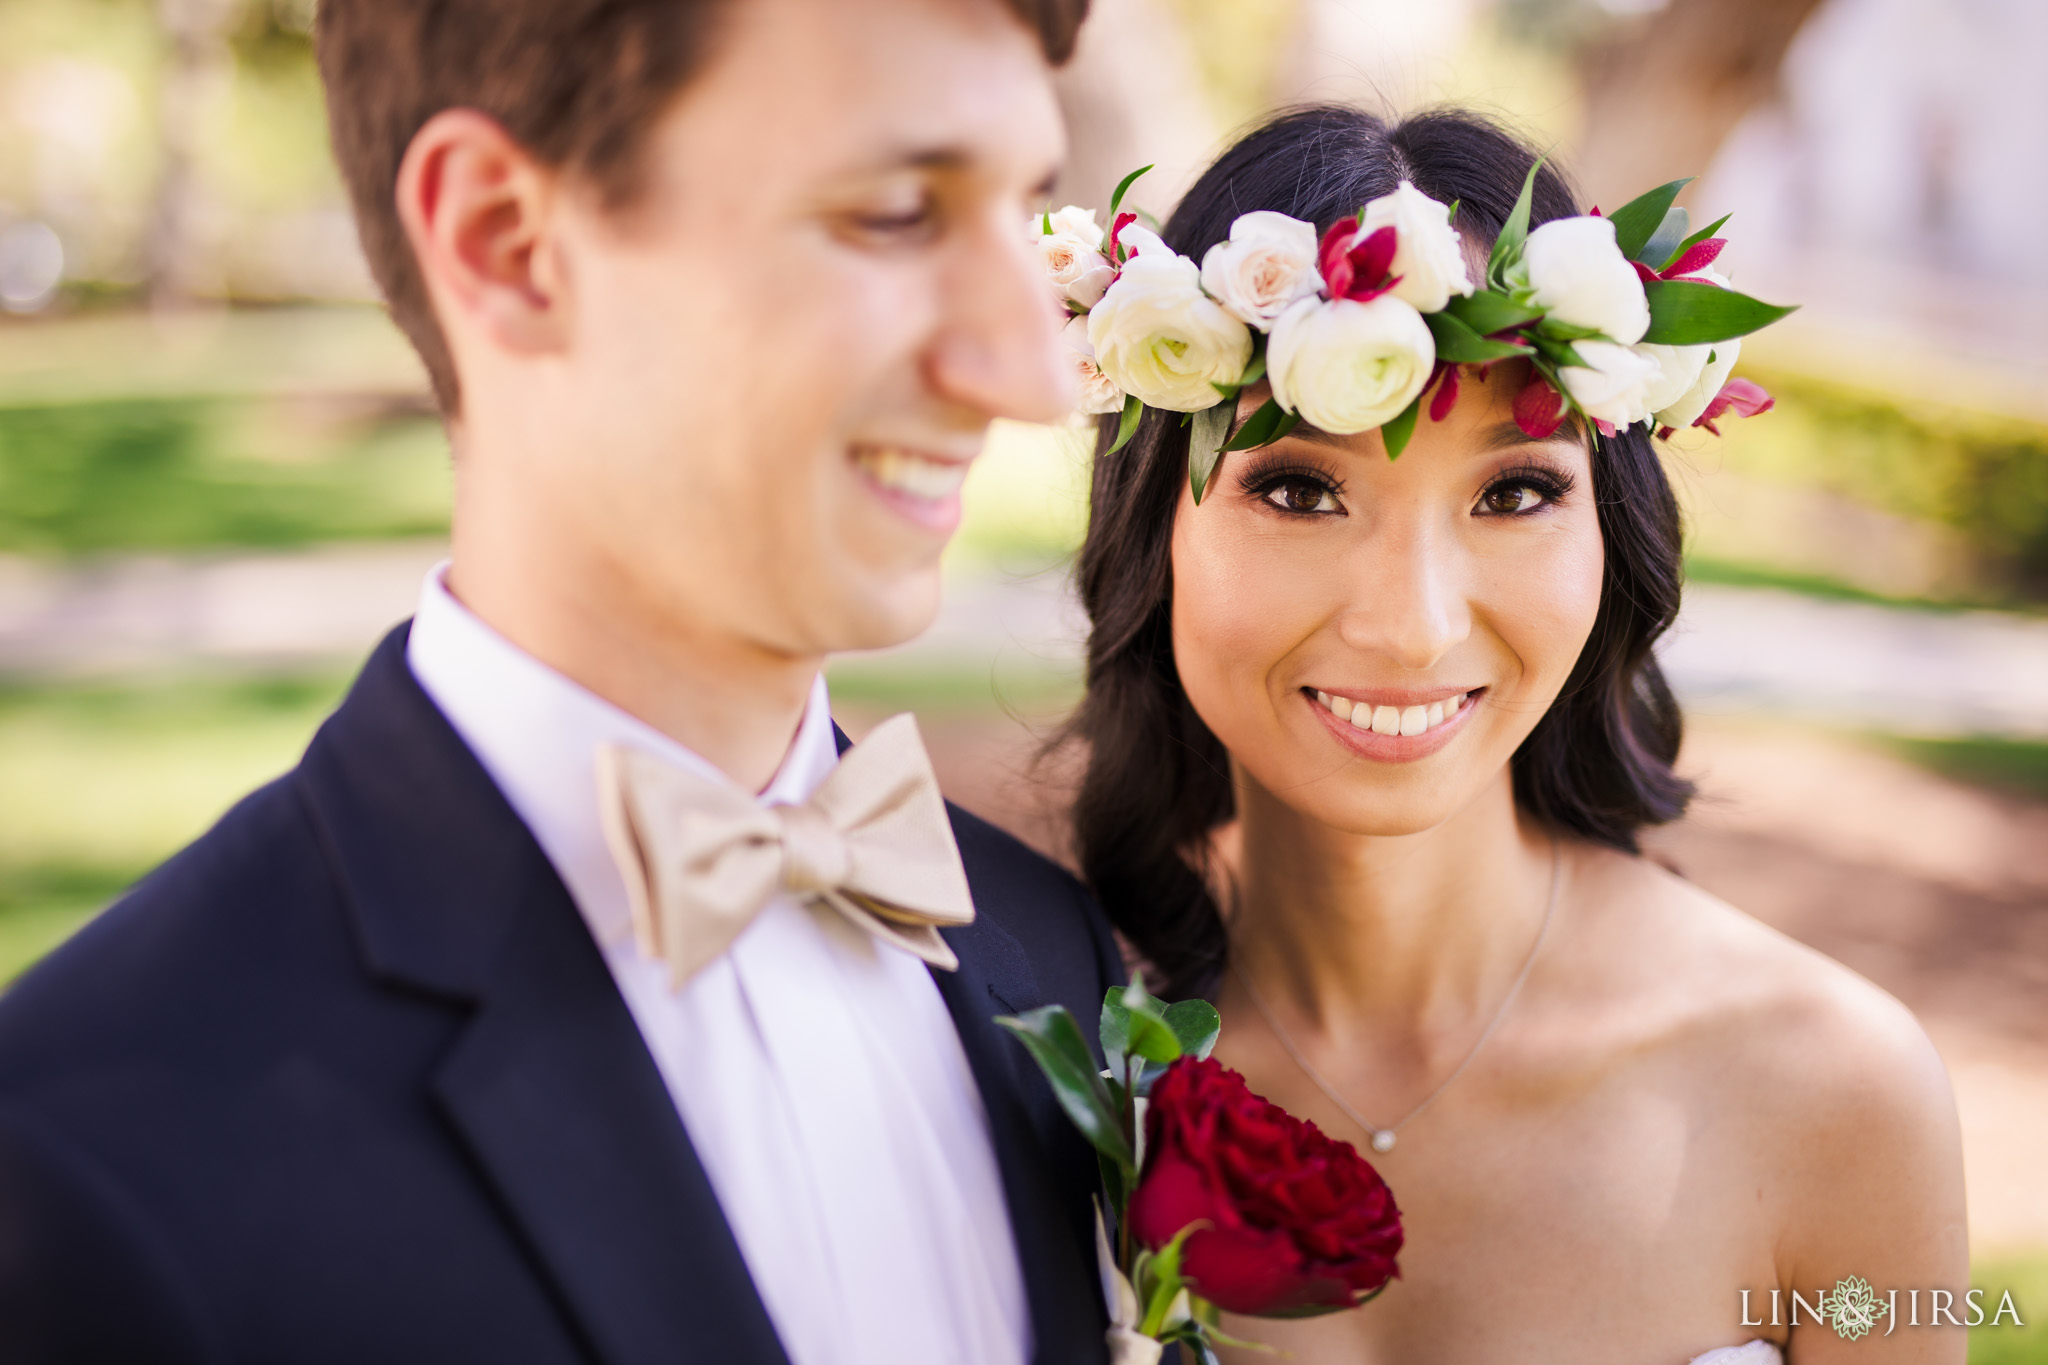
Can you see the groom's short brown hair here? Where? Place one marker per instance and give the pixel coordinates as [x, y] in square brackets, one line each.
[578, 83]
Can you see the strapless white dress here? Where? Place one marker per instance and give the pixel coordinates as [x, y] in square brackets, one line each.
[1749, 1353]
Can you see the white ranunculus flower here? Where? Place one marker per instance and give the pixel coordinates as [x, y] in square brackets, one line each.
[1157, 335]
[1617, 386]
[1268, 263]
[1098, 393]
[1428, 256]
[1072, 253]
[1347, 366]
[1572, 270]
[1678, 369]
[1684, 410]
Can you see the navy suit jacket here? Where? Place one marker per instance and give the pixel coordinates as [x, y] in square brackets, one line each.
[348, 1080]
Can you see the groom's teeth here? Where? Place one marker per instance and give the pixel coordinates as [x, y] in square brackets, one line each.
[1392, 720]
[900, 471]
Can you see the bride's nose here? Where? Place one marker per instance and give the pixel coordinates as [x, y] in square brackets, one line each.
[1411, 604]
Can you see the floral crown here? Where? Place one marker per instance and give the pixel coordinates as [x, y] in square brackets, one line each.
[1622, 318]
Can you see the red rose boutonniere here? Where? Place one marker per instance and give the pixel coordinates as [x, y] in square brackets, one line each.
[1223, 1201]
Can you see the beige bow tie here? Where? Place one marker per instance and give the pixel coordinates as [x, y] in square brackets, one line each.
[701, 857]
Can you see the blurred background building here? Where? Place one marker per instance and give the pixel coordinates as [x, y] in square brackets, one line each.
[220, 476]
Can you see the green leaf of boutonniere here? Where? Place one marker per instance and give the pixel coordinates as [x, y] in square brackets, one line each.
[1206, 435]
[1055, 1043]
[1196, 1024]
[1637, 221]
[1045, 224]
[1116, 200]
[1396, 433]
[1460, 345]
[1516, 230]
[1694, 313]
[1137, 1018]
[1486, 311]
[1127, 425]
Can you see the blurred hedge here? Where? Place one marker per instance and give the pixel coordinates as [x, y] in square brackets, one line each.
[1981, 475]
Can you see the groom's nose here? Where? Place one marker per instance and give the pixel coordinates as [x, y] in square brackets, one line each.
[997, 348]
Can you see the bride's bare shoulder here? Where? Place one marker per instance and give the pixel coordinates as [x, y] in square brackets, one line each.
[1809, 1084]
[1811, 1040]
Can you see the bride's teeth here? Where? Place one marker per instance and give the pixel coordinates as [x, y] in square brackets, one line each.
[1414, 719]
[913, 475]
[1436, 714]
[1386, 720]
[1340, 707]
[1361, 716]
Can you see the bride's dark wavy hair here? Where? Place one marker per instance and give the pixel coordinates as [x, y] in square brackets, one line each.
[1157, 781]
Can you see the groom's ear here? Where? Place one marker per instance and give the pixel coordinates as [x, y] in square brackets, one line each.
[476, 207]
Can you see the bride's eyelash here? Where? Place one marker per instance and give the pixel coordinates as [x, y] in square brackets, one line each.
[1260, 477]
[1551, 484]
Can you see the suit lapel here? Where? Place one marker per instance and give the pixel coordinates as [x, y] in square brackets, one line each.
[549, 1086]
[1059, 1284]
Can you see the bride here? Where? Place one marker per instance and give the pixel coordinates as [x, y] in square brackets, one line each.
[1624, 1121]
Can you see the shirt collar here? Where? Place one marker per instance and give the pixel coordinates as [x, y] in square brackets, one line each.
[537, 733]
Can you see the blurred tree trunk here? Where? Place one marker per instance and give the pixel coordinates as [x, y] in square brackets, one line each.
[1665, 91]
[196, 59]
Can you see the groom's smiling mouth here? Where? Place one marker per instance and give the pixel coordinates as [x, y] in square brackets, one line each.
[922, 485]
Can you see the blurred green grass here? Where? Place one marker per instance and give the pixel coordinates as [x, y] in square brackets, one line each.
[2027, 1277]
[99, 782]
[206, 473]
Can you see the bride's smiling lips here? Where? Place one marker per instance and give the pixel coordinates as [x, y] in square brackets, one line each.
[1394, 725]
[923, 485]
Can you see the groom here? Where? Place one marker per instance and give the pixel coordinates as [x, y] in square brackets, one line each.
[580, 997]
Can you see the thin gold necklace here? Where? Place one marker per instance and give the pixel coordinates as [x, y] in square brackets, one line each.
[1383, 1138]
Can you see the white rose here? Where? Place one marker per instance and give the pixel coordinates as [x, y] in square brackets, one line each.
[1347, 366]
[1072, 254]
[1684, 410]
[1617, 386]
[1098, 394]
[1428, 256]
[1678, 369]
[1157, 335]
[1268, 263]
[1572, 270]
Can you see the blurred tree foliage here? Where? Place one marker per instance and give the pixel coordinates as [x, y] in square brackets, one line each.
[1984, 476]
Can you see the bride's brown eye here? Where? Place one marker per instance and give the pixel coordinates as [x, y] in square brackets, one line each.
[1301, 495]
[1509, 498]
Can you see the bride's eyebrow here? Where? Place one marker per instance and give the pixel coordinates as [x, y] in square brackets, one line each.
[1507, 435]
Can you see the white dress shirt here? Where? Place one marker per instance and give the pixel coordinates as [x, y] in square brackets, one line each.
[816, 1070]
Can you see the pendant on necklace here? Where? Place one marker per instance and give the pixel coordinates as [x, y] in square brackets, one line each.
[1383, 1140]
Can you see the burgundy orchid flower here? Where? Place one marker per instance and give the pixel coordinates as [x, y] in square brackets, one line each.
[1743, 397]
[1355, 263]
[1698, 256]
[1539, 409]
[1113, 247]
